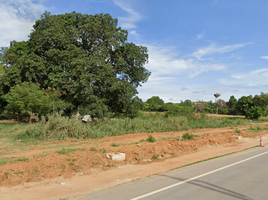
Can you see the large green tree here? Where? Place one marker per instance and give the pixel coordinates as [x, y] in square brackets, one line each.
[244, 104]
[86, 56]
[262, 101]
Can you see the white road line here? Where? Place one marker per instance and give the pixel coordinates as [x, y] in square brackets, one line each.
[196, 177]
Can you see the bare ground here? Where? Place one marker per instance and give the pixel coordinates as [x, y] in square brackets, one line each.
[50, 175]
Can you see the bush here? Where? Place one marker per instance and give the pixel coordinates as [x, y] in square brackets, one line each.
[188, 136]
[255, 112]
[176, 110]
[151, 139]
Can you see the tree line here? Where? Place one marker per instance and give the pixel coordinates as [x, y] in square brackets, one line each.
[249, 106]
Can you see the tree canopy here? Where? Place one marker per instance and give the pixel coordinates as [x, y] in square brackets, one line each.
[26, 98]
[86, 56]
[244, 104]
[154, 103]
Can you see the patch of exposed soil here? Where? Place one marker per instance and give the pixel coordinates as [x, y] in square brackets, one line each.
[92, 159]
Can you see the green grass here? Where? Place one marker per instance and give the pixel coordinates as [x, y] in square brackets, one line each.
[11, 160]
[61, 128]
[67, 151]
[115, 145]
[237, 130]
[167, 138]
[103, 150]
[187, 136]
[255, 129]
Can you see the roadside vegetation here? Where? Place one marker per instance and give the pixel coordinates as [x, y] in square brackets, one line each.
[59, 127]
[53, 78]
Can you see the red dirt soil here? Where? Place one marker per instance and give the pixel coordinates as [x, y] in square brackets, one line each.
[56, 176]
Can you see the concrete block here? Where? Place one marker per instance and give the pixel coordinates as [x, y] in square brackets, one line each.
[116, 156]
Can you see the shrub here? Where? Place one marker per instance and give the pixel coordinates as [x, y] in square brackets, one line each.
[188, 136]
[176, 110]
[115, 145]
[255, 112]
[151, 139]
[237, 130]
[155, 157]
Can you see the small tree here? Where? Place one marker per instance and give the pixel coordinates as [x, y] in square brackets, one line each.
[155, 103]
[27, 98]
[232, 105]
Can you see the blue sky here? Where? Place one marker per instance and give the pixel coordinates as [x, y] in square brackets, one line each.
[196, 48]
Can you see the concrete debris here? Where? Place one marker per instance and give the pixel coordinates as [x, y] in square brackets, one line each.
[116, 156]
[238, 137]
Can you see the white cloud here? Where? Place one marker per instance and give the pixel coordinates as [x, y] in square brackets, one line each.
[199, 36]
[129, 21]
[163, 62]
[134, 33]
[233, 56]
[253, 78]
[213, 49]
[17, 18]
[264, 57]
[199, 91]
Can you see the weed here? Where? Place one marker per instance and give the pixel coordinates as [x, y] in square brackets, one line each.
[93, 149]
[103, 150]
[2, 162]
[109, 165]
[155, 157]
[115, 145]
[255, 129]
[188, 136]
[35, 170]
[150, 139]
[19, 172]
[237, 130]
[167, 138]
[22, 159]
[6, 173]
[67, 151]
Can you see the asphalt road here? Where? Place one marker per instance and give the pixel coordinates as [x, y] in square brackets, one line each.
[241, 175]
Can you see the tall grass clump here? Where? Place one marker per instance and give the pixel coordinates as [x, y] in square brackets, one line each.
[59, 127]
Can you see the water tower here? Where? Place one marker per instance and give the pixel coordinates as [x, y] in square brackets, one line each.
[217, 95]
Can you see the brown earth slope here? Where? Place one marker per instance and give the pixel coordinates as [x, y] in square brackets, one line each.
[64, 174]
